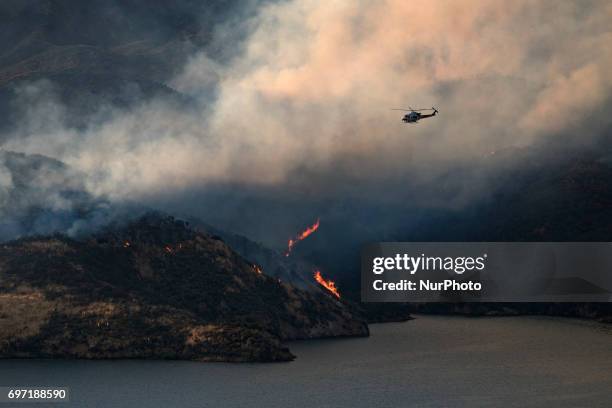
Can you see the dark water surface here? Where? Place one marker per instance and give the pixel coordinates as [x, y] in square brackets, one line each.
[427, 362]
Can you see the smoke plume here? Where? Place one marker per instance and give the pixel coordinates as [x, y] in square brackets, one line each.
[297, 115]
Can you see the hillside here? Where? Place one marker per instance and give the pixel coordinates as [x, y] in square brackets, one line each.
[154, 288]
[96, 57]
[294, 270]
[568, 198]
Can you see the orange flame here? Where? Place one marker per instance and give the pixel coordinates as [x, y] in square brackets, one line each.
[168, 249]
[327, 284]
[302, 236]
[257, 269]
[126, 244]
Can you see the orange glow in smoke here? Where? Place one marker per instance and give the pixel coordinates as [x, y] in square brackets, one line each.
[327, 284]
[302, 236]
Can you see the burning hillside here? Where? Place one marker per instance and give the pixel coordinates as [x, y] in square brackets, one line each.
[100, 298]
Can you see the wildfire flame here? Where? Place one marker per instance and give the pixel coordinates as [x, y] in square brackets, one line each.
[126, 244]
[327, 284]
[257, 269]
[169, 249]
[302, 236]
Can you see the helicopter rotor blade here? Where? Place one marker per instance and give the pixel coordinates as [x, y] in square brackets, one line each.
[416, 110]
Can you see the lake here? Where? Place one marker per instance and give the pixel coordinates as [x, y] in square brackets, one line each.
[431, 361]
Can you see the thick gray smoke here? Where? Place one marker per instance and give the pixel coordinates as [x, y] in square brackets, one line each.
[301, 108]
[42, 196]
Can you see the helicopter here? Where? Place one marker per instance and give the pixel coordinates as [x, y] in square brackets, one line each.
[415, 115]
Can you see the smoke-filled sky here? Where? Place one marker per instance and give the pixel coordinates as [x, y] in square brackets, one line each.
[304, 101]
